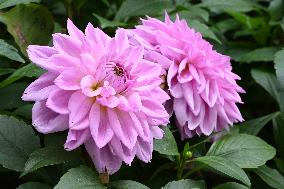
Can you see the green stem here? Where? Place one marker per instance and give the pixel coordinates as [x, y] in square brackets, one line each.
[181, 161]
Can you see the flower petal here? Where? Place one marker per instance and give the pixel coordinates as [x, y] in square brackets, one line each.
[76, 138]
[79, 107]
[104, 158]
[58, 101]
[40, 88]
[74, 31]
[46, 121]
[69, 79]
[144, 150]
[99, 126]
[67, 44]
[119, 124]
[40, 54]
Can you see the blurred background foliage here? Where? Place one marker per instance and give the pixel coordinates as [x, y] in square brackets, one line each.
[250, 31]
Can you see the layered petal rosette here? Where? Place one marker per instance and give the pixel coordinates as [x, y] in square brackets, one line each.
[200, 80]
[102, 91]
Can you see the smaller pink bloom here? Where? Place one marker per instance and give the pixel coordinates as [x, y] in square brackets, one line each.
[200, 80]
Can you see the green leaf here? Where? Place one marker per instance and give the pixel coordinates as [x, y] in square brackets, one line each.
[104, 23]
[233, 5]
[231, 185]
[279, 164]
[29, 24]
[271, 176]
[269, 82]
[127, 184]
[265, 54]
[167, 145]
[17, 141]
[278, 131]
[34, 185]
[29, 70]
[185, 184]
[51, 155]
[227, 24]
[4, 71]
[203, 29]
[253, 126]
[80, 177]
[276, 9]
[10, 3]
[130, 8]
[279, 66]
[251, 23]
[56, 139]
[9, 101]
[224, 166]
[10, 52]
[194, 12]
[24, 111]
[246, 151]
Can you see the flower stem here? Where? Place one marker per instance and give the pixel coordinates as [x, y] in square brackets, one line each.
[181, 161]
[104, 177]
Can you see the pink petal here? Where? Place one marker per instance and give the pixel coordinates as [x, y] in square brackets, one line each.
[61, 62]
[188, 94]
[209, 121]
[67, 44]
[74, 31]
[90, 63]
[210, 94]
[194, 73]
[119, 124]
[104, 159]
[141, 126]
[121, 40]
[96, 36]
[110, 102]
[40, 88]
[40, 54]
[127, 155]
[183, 72]
[135, 101]
[175, 53]
[58, 101]
[69, 79]
[232, 111]
[46, 121]
[180, 111]
[76, 138]
[99, 126]
[160, 59]
[157, 132]
[79, 107]
[154, 109]
[147, 70]
[88, 85]
[144, 150]
[133, 55]
[174, 87]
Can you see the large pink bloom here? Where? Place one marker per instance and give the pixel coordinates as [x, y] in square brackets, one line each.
[101, 90]
[200, 80]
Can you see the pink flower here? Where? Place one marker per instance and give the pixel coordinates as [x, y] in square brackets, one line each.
[200, 80]
[103, 91]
